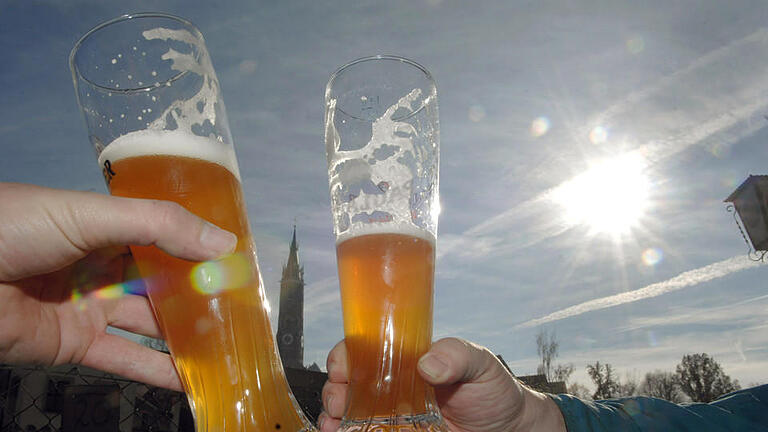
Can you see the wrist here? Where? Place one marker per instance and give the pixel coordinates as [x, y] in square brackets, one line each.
[539, 413]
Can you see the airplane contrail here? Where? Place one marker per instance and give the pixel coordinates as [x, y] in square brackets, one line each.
[683, 280]
[759, 36]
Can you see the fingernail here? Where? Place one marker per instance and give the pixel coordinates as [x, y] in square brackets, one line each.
[433, 365]
[217, 240]
[320, 422]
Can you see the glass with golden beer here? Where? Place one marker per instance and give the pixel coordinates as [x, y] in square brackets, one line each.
[155, 116]
[382, 146]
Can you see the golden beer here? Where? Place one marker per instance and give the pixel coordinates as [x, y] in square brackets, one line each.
[212, 315]
[386, 292]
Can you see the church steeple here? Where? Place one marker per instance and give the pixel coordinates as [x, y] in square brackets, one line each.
[290, 322]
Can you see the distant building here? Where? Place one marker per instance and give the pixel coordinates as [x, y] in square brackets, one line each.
[306, 383]
[290, 321]
[537, 382]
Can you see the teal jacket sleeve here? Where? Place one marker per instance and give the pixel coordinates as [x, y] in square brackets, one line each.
[742, 411]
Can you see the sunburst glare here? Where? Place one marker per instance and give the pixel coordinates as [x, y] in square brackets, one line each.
[610, 197]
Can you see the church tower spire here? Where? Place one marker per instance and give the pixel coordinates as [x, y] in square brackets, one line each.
[290, 322]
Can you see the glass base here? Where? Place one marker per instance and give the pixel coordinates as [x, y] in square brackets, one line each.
[415, 423]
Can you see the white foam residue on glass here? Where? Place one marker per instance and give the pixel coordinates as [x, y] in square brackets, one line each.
[393, 177]
[185, 113]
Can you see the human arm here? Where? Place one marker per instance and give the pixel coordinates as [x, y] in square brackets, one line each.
[742, 411]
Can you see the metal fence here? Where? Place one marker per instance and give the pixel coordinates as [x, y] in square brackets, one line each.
[75, 398]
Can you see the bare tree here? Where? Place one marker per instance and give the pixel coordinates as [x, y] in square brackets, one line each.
[703, 379]
[580, 391]
[662, 385]
[547, 347]
[628, 386]
[604, 377]
[562, 372]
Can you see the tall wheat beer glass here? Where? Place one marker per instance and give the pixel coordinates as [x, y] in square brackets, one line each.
[382, 146]
[155, 116]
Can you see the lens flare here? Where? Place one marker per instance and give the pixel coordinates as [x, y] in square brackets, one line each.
[635, 45]
[231, 272]
[652, 256]
[719, 150]
[652, 342]
[77, 299]
[539, 126]
[107, 292]
[598, 135]
[114, 291]
[248, 67]
[476, 113]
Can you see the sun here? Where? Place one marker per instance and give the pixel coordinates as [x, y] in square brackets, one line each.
[610, 197]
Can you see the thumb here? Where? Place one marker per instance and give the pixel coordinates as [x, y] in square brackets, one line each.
[453, 360]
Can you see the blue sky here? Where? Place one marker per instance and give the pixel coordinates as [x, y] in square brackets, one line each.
[554, 116]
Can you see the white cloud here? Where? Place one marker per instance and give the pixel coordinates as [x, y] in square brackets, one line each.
[725, 54]
[683, 280]
[751, 310]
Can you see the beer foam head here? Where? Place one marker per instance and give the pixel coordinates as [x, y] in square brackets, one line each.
[404, 229]
[171, 143]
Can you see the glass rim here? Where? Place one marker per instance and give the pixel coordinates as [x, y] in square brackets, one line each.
[389, 57]
[125, 17]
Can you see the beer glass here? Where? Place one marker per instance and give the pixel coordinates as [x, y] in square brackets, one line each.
[155, 116]
[382, 147]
